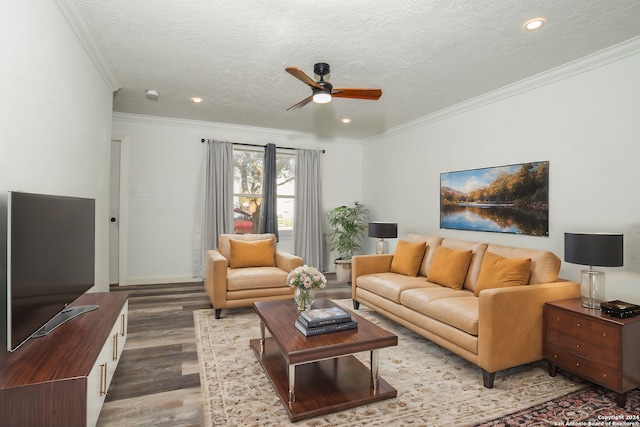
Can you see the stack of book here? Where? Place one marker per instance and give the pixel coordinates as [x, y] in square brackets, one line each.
[324, 320]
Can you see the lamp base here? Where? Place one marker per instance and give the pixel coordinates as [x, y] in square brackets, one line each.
[592, 288]
[381, 246]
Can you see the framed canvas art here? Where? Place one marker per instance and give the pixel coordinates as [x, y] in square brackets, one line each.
[503, 199]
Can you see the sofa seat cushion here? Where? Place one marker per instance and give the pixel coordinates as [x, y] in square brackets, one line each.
[391, 285]
[456, 308]
[255, 278]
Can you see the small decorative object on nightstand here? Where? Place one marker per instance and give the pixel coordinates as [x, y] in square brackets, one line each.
[383, 230]
[599, 249]
[593, 345]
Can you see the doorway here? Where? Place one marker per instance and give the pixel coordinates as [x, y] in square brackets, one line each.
[118, 175]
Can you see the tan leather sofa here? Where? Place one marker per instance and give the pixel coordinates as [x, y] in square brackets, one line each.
[498, 329]
[229, 287]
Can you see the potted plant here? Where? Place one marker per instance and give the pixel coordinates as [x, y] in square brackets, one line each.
[347, 229]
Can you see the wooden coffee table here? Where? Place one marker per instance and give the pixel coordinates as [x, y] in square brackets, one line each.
[319, 374]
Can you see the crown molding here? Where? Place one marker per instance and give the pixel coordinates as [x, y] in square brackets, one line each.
[579, 66]
[225, 128]
[84, 33]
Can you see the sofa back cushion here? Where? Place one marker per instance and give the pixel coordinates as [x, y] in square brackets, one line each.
[449, 267]
[252, 253]
[432, 243]
[224, 245]
[501, 272]
[407, 258]
[478, 250]
[545, 265]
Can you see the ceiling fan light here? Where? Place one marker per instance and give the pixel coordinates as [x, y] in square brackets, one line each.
[321, 97]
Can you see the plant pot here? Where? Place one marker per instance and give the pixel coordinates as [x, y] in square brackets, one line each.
[343, 270]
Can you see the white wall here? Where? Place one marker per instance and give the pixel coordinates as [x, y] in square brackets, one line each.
[55, 114]
[583, 118]
[165, 158]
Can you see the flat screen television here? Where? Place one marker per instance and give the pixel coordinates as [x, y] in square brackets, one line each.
[50, 260]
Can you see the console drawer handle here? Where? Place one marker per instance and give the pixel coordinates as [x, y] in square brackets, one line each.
[578, 364]
[604, 334]
[557, 319]
[555, 356]
[577, 345]
[578, 324]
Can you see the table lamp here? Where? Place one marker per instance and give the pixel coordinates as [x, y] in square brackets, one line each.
[382, 230]
[593, 249]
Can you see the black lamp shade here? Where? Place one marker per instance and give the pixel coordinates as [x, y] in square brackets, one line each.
[383, 230]
[594, 249]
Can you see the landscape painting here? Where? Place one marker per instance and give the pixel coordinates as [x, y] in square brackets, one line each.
[503, 199]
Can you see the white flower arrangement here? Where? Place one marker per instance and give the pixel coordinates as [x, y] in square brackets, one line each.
[306, 277]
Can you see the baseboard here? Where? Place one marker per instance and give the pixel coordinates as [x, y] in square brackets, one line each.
[159, 280]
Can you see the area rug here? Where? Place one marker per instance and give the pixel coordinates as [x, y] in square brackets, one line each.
[591, 406]
[435, 387]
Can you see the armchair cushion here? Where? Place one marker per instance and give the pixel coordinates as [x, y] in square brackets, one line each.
[255, 253]
[256, 278]
[224, 242]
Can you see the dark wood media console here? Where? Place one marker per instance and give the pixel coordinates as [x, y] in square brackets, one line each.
[61, 379]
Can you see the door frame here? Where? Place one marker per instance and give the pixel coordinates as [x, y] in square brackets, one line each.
[123, 208]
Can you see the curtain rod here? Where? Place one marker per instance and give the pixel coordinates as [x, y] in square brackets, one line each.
[257, 145]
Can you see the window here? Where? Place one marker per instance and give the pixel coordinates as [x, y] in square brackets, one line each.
[248, 166]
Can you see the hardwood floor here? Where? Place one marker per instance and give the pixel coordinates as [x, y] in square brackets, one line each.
[157, 381]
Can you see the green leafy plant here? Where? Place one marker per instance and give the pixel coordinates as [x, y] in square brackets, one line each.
[347, 229]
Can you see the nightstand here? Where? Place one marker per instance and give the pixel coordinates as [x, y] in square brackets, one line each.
[584, 341]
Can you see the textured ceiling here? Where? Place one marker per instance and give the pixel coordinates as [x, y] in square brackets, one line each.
[426, 55]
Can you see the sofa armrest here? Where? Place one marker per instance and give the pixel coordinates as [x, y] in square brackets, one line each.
[510, 322]
[287, 262]
[215, 281]
[368, 264]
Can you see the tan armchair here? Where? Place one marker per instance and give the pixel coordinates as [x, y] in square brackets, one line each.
[247, 268]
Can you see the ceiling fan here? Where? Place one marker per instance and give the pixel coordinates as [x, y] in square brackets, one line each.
[324, 91]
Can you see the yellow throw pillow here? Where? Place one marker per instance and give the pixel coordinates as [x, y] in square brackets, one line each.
[407, 258]
[500, 272]
[252, 253]
[449, 267]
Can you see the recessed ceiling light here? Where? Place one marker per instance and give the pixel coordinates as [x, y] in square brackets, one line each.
[197, 100]
[534, 24]
[345, 120]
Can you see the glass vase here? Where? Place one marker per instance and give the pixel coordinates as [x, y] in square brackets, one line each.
[304, 298]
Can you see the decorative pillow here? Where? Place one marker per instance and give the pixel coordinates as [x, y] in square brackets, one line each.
[407, 258]
[500, 272]
[252, 253]
[449, 267]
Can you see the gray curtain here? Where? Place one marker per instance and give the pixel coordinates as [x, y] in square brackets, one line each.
[308, 238]
[269, 208]
[214, 210]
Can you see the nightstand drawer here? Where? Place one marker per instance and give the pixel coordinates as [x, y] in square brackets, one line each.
[595, 353]
[583, 367]
[598, 333]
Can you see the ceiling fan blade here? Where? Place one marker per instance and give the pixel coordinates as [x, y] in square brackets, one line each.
[301, 103]
[357, 93]
[300, 75]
